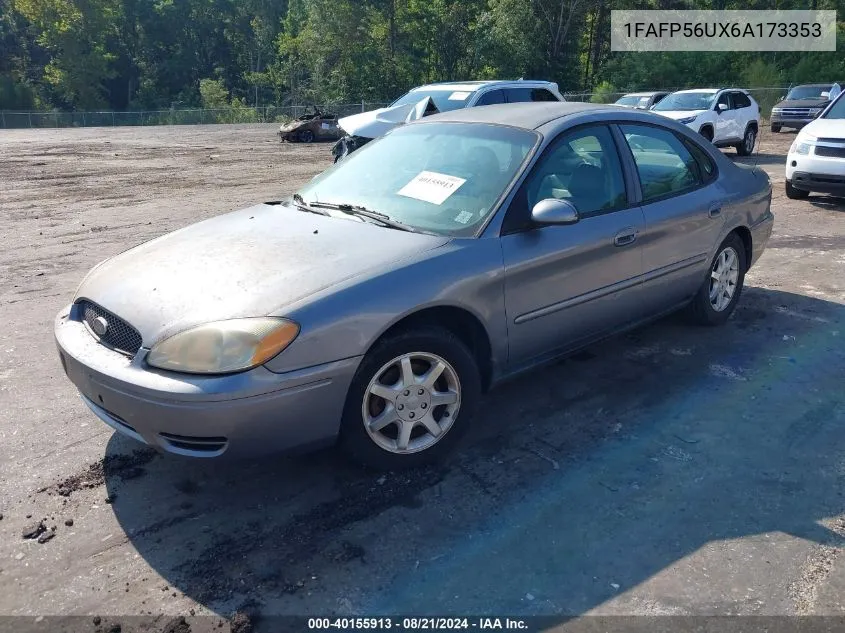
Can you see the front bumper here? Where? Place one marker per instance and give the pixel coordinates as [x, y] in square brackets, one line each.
[792, 122]
[819, 183]
[812, 172]
[239, 415]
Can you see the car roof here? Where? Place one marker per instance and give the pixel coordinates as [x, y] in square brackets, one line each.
[472, 86]
[530, 115]
[642, 94]
[822, 85]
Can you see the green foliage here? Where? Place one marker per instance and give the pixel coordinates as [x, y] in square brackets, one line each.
[213, 93]
[604, 93]
[234, 55]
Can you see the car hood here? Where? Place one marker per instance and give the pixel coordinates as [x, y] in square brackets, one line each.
[679, 114]
[828, 128]
[376, 123]
[802, 103]
[242, 264]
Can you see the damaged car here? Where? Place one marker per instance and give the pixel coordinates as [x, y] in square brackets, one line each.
[377, 304]
[310, 127]
[359, 129]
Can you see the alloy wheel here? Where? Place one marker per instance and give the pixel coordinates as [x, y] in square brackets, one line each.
[723, 279]
[750, 138]
[411, 402]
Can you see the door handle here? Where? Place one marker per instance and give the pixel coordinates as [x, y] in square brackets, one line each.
[715, 212]
[625, 237]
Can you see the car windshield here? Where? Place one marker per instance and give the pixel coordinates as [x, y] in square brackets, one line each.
[628, 100]
[445, 100]
[807, 92]
[687, 101]
[837, 110]
[442, 178]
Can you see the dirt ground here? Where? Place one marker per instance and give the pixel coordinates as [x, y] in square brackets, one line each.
[671, 471]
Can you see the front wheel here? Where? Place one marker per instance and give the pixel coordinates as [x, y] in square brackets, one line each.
[306, 136]
[746, 147]
[410, 401]
[707, 132]
[717, 298]
[775, 128]
[795, 194]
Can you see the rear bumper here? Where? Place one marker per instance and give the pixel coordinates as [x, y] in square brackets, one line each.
[239, 415]
[760, 234]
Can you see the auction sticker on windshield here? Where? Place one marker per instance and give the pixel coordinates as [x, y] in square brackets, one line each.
[429, 186]
[458, 96]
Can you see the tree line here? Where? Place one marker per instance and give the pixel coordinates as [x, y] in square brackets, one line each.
[155, 54]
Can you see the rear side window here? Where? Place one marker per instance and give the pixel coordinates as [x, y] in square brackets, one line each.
[521, 95]
[665, 165]
[491, 98]
[741, 100]
[705, 163]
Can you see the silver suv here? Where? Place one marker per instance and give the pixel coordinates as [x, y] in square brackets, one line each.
[433, 98]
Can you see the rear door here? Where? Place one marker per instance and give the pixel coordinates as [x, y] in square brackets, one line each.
[565, 284]
[744, 112]
[681, 204]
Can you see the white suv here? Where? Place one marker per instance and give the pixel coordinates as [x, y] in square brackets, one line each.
[816, 160]
[727, 117]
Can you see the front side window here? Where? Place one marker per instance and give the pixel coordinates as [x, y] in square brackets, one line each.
[664, 164]
[491, 98]
[582, 167]
[724, 100]
[442, 178]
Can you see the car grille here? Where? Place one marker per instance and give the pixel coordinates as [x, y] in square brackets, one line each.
[798, 113]
[834, 152]
[119, 335]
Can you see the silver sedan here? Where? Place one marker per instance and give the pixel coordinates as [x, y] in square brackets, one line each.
[380, 302]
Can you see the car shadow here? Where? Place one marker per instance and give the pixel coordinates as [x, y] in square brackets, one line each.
[580, 480]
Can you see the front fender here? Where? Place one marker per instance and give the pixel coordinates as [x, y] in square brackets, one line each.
[345, 321]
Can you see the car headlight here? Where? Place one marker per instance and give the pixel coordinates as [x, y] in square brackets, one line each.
[803, 143]
[686, 120]
[224, 347]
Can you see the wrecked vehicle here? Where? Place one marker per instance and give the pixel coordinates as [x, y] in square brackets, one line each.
[310, 127]
[430, 99]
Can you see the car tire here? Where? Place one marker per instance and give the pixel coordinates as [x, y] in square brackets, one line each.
[396, 441]
[749, 141]
[709, 306]
[775, 128]
[707, 132]
[795, 194]
[306, 136]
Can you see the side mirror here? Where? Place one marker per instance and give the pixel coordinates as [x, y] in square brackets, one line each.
[721, 107]
[553, 211]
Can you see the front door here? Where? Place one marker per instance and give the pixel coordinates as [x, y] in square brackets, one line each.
[565, 284]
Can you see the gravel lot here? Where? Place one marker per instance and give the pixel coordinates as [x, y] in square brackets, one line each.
[673, 470]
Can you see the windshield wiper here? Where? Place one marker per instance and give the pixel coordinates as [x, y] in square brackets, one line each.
[300, 203]
[364, 212]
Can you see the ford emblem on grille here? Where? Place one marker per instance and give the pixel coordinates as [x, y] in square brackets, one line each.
[100, 326]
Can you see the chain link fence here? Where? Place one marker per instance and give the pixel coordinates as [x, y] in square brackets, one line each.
[766, 97]
[263, 114]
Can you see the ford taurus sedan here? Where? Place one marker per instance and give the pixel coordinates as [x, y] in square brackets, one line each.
[380, 302]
